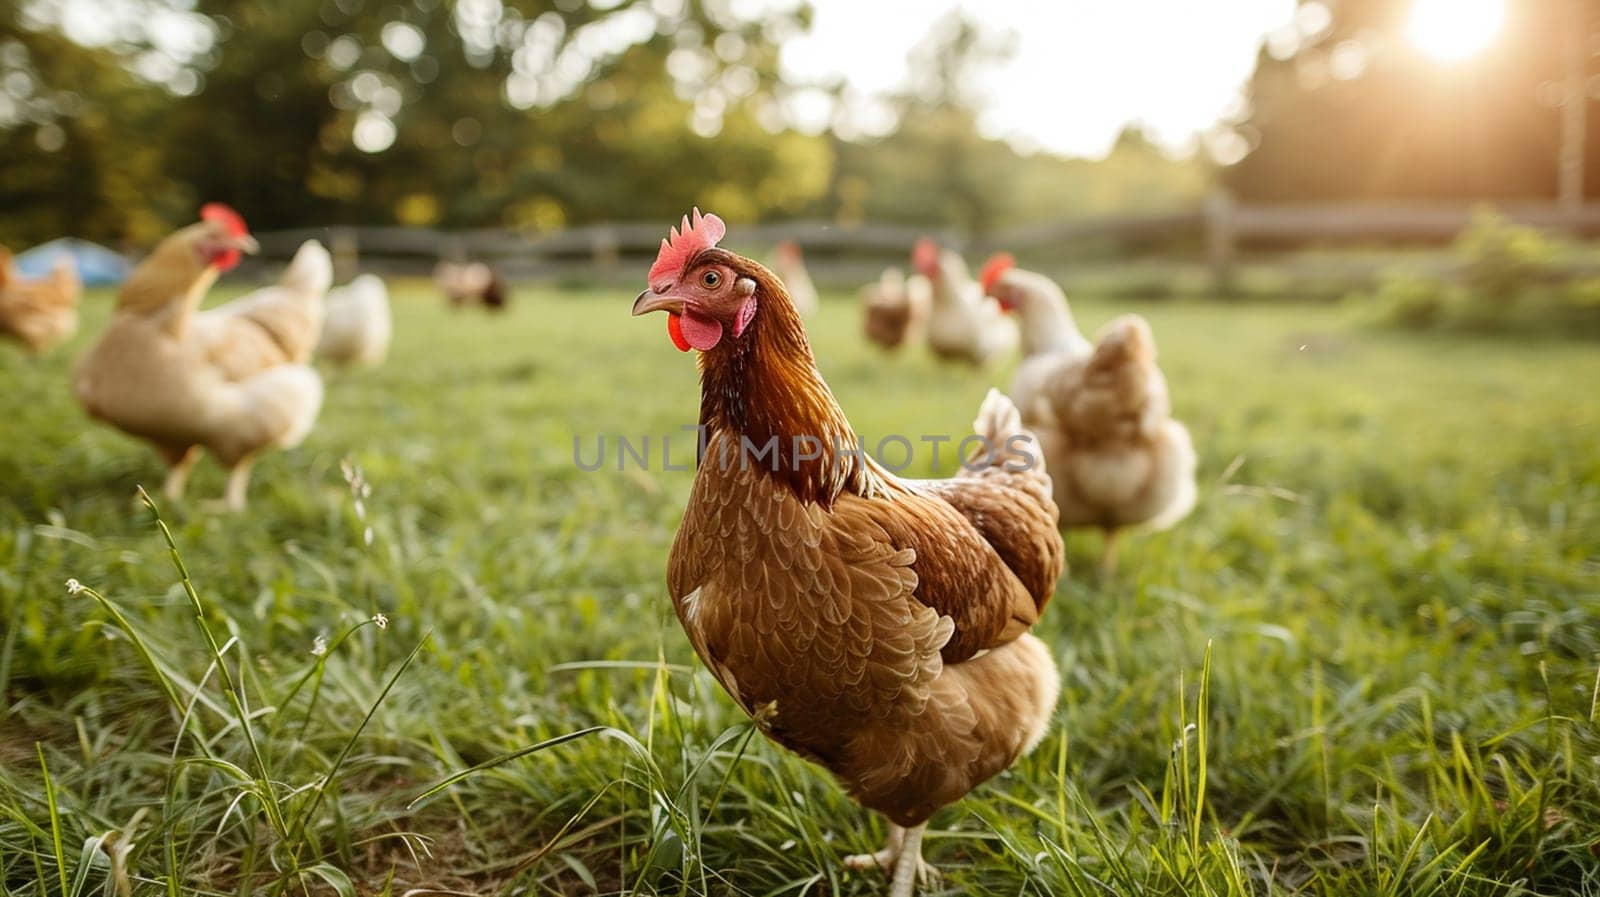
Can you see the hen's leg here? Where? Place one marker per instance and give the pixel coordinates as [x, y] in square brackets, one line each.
[909, 869]
[1108, 553]
[238, 483]
[883, 859]
[182, 462]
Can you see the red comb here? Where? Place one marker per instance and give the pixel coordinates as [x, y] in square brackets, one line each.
[994, 269]
[691, 236]
[925, 255]
[218, 213]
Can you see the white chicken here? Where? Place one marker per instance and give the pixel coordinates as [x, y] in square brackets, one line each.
[963, 323]
[790, 266]
[1051, 339]
[358, 325]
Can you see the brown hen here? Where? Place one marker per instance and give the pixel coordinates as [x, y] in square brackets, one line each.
[42, 312]
[876, 626]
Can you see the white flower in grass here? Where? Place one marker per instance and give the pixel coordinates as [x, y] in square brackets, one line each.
[74, 587]
[381, 620]
[319, 646]
[366, 536]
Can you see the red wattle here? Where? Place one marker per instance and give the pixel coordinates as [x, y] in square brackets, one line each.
[701, 332]
[675, 330]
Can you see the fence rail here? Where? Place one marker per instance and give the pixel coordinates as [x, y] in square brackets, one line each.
[842, 254]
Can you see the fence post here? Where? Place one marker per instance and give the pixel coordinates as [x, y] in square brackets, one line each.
[346, 252]
[1221, 238]
[605, 251]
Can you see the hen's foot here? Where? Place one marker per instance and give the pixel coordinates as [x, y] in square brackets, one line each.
[865, 862]
[885, 859]
[890, 858]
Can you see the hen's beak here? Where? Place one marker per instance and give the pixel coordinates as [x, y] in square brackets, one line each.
[650, 301]
[246, 244]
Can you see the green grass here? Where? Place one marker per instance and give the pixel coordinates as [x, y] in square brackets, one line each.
[1367, 664]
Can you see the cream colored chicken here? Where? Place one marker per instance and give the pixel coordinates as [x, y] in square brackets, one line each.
[43, 312]
[232, 380]
[963, 323]
[1051, 339]
[358, 324]
[1101, 411]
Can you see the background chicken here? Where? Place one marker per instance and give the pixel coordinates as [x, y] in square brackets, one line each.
[874, 625]
[895, 309]
[1051, 340]
[471, 284]
[43, 312]
[358, 325]
[1125, 461]
[790, 265]
[231, 380]
[963, 323]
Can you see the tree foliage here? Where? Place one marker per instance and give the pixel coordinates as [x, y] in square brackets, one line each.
[534, 114]
[1353, 110]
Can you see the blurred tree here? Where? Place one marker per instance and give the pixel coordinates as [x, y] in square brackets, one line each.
[1345, 104]
[473, 113]
[64, 165]
[537, 114]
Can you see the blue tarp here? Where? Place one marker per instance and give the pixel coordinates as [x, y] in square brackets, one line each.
[97, 265]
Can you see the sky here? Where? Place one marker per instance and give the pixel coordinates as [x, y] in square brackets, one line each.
[1082, 69]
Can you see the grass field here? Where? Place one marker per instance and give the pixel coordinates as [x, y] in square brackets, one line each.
[1367, 664]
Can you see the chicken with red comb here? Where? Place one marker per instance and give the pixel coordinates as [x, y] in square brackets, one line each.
[1117, 457]
[231, 380]
[963, 324]
[40, 312]
[874, 625]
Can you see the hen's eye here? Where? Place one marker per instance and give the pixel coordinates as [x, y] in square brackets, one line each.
[711, 278]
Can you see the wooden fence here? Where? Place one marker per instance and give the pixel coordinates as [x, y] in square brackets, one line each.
[1217, 234]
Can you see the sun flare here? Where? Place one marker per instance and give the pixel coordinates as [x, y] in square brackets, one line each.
[1452, 30]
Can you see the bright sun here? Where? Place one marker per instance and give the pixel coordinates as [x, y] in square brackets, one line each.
[1452, 30]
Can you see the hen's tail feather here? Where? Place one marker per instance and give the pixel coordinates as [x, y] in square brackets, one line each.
[290, 314]
[1008, 449]
[1007, 443]
[998, 416]
[311, 270]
